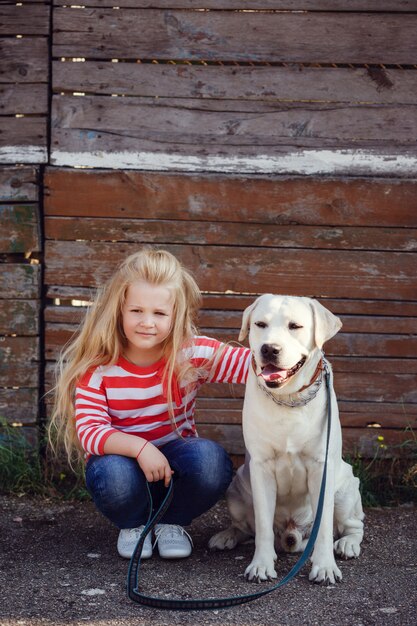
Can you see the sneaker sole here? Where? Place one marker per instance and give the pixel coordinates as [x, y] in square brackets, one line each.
[128, 555]
[174, 555]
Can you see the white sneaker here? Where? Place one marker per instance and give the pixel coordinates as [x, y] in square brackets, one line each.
[127, 540]
[173, 541]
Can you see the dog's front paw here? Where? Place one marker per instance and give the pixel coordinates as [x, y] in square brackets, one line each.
[348, 547]
[260, 570]
[326, 573]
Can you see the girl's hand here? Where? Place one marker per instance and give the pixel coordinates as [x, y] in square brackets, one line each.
[154, 464]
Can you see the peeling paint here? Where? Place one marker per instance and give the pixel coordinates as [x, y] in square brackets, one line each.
[23, 154]
[305, 162]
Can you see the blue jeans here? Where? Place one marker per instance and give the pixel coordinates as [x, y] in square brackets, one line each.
[203, 471]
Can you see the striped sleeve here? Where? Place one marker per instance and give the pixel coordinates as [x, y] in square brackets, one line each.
[92, 420]
[231, 363]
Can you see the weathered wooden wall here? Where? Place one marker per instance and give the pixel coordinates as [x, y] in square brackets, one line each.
[275, 149]
[24, 81]
[325, 87]
[20, 297]
[349, 242]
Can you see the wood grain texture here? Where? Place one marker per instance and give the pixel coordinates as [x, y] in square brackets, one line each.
[24, 19]
[19, 405]
[19, 317]
[271, 200]
[25, 133]
[24, 60]
[234, 127]
[19, 361]
[254, 235]
[23, 99]
[316, 273]
[18, 184]
[267, 83]
[20, 228]
[20, 281]
[234, 36]
[267, 5]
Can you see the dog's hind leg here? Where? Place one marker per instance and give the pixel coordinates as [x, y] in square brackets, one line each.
[240, 507]
[228, 539]
[349, 517]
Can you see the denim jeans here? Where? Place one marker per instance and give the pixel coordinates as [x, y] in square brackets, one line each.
[203, 471]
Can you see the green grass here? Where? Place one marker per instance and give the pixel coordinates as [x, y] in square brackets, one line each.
[388, 480]
[24, 471]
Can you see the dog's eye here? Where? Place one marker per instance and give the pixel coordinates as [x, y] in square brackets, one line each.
[294, 326]
[261, 324]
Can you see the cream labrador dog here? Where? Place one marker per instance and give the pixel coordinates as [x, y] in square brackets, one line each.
[275, 493]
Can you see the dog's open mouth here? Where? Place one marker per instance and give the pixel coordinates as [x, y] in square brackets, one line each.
[273, 374]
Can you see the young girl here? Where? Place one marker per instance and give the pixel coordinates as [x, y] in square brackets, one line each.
[125, 400]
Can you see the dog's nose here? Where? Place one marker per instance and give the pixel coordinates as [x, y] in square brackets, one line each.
[270, 350]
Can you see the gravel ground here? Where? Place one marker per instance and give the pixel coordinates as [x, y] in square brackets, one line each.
[59, 565]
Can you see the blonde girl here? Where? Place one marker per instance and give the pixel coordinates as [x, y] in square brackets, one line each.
[125, 400]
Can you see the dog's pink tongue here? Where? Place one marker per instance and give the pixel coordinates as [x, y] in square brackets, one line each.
[270, 372]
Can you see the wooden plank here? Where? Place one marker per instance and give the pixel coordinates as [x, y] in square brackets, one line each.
[296, 83]
[23, 139]
[19, 184]
[234, 36]
[381, 365]
[238, 302]
[24, 19]
[23, 60]
[19, 317]
[316, 273]
[376, 388]
[267, 5]
[20, 228]
[287, 160]
[233, 127]
[362, 441]
[24, 98]
[19, 361]
[255, 235]
[19, 281]
[272, 200]
[352, 414]
[217, 319]
[19, 405]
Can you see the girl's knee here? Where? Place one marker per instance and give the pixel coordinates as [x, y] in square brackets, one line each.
[212, 467]
[112, 479]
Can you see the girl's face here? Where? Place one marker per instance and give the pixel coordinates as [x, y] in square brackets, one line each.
[147, 318]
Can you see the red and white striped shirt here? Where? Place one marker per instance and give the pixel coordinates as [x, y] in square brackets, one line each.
[127, 398]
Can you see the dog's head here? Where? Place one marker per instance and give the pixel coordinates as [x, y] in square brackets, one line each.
[284, 331]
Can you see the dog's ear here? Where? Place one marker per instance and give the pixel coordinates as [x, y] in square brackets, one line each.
[246, 320]
[326, 324]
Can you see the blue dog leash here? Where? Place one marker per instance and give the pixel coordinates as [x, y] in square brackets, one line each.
[219, 603]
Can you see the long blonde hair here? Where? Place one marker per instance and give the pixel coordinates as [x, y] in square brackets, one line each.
[100, 339]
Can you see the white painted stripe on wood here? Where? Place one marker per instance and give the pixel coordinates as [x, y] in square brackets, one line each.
[300, 162]
[23, 154]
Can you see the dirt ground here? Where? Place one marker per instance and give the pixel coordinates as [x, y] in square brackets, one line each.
[59, 565]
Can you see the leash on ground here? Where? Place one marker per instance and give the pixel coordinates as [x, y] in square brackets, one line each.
[219, 603]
